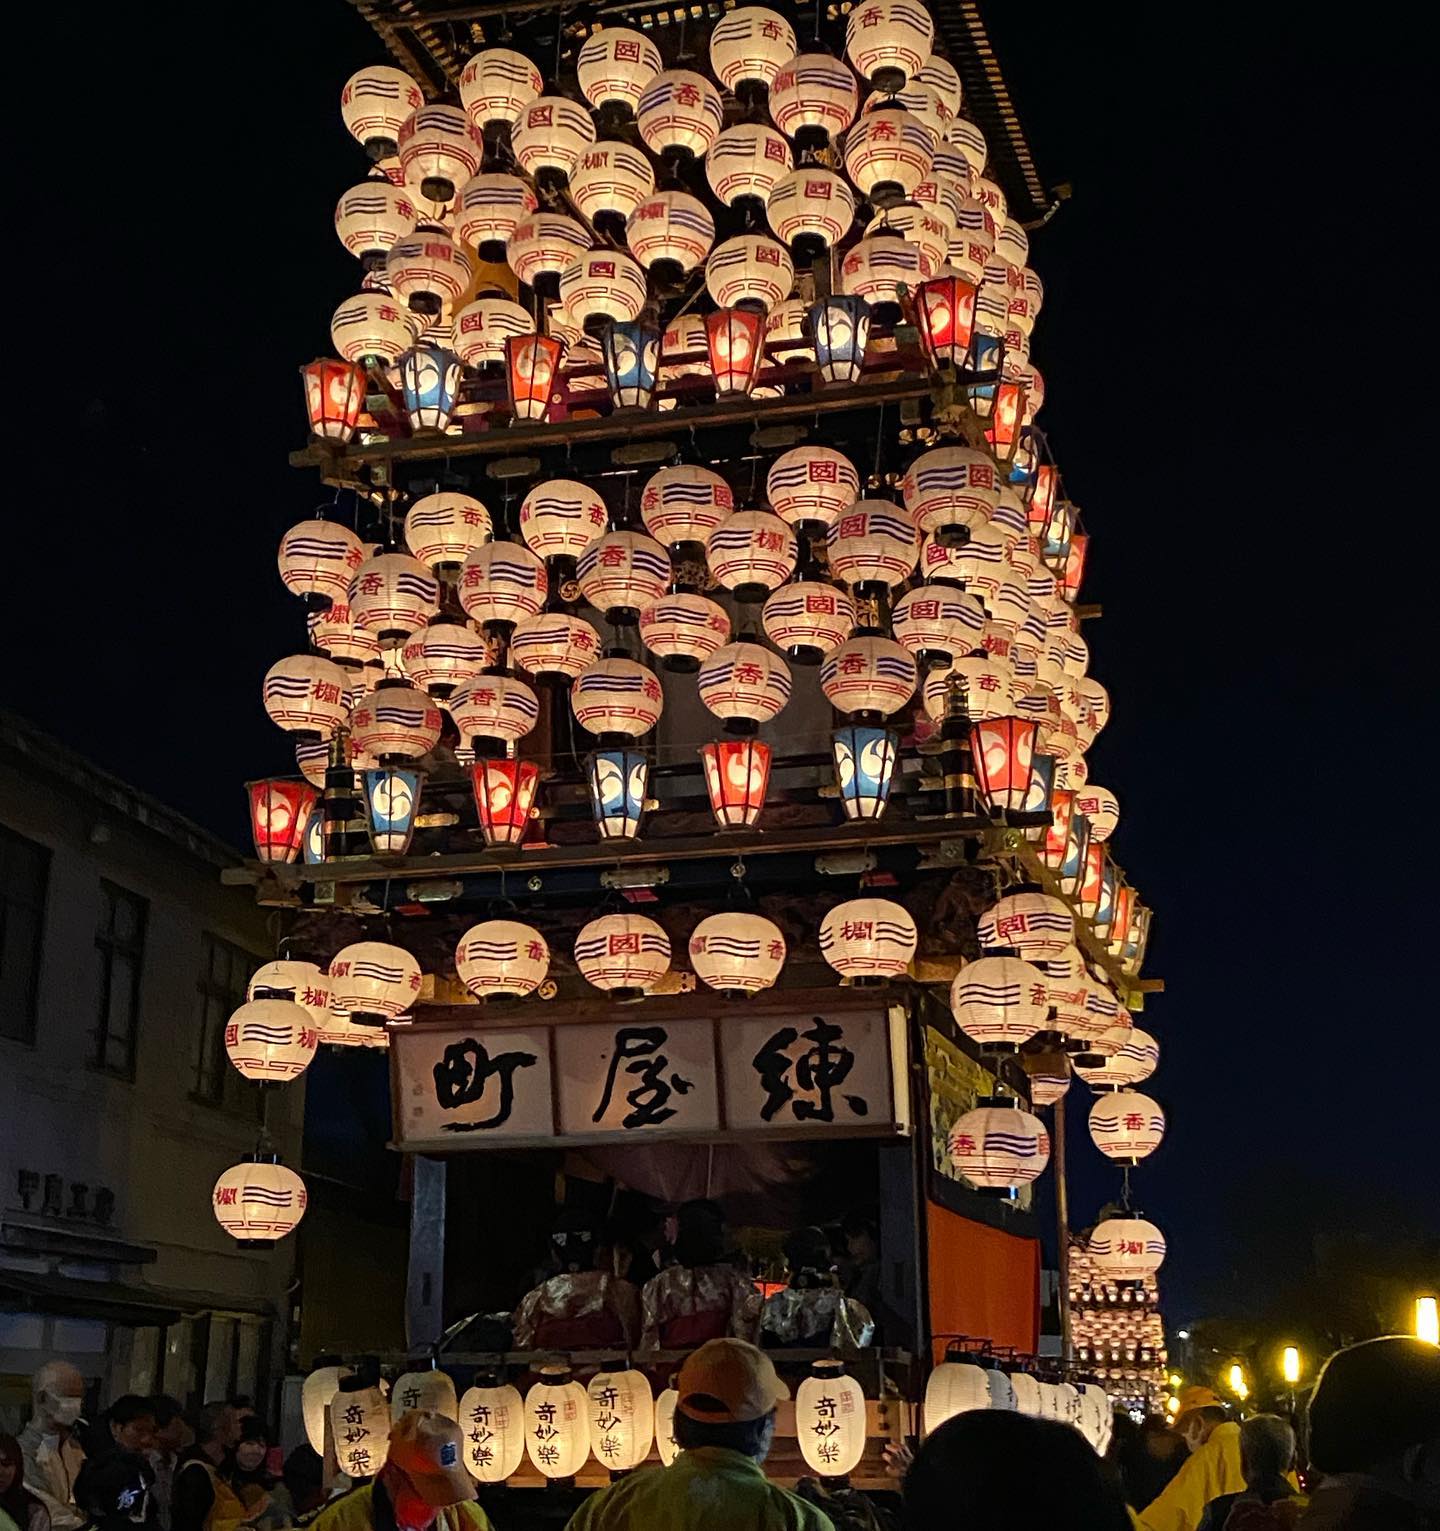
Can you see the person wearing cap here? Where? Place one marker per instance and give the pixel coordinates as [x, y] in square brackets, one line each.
[1213, 1467]
[422, 1484]
[724, 1424]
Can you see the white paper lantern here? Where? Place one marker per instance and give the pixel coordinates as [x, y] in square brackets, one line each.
[813, 95]
[984, 684]
[616, 64]
[622, 1418]
[744, 681]
[939, 74]
[360, 1431]
[942, 197]
[889, 41]
[808, 618]
[374, 104]
[887, 153]
[830, 1421]
[737, 953]
[549, 136]
[868, 676]
[373, 217]
[372, 326]
[999, 1147]
[785, 333]
[1000, 1001]
[684, 629]
[554, 643]
[811, 208]
[393, 595]
[440, 529]
[428, 269]
[1127, 1126]
[928, 233]
[967, 140]
[490, 207]
[680, 112]
[867, 939]
[873, 542]
[302, 982]
[481, 329]
[1097, 1416]
[603, 285]
[750, 44]
[1046, 1089]
[318, 1388]
[502, 582]
[874, 268]
[1101, 807]
[685, 504]
[492, 1420]
[270, 1040]
[395, 722]
[1027, 1394]
[670, 227]
[494, 707]
[665, 1442]
[621, 573]
[746, 161]
[938, 621]
[258, 1203]
[373, 982]
[751, 553]
[305, 695]
[624, 954]
[1132, 1062]
[561, 516]
[954, 1387]
[749, 271]
[973, 239]
[496, 85]
[320, 558]
[431, 1391]
[1127, 1248]
[1032, 924]
[439, 150]
[544, 245]
[617, 696]
[812, 484]
[502, 957]
[923, 103]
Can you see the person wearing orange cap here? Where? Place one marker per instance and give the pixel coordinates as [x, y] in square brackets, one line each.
[724, 1424]
[1213, 1467]
[422, 1484]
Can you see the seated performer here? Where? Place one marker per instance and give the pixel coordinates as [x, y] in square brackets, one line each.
[811, 1312]
[705, 1294]
[584, 1305]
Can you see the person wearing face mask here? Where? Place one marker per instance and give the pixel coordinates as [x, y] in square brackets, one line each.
[52, 1451]
[422, 1484]
[1212, 1467]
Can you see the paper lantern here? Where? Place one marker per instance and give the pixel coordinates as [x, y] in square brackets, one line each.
[874, 268]
[372, 328]
[483, 327]
[750, 271]
[561, 516]
[611, 180]
[873, 543]
[1000, 1002]
[744, 683]
[615, 64]
[945, 318]
[1032, 924]
[392, 803]
[278, 811]
[440, 529]
[1047, 1088]
[807, 619]
[549, 136]
[557, 1433]
[737, 954]
[1004, 751]
[602, 286]
[492, 1422]
[923, 103]
[623, 954]
[554, 643]
[1127, 1126]
[617, 781]
[270, 1040]
[1136, 1058]
[432, 1391]
[1126, 1248]
[429, 386]
[621, 573]
[751, 553]
[980, 685]
[496, 85]
[939, 74]
[953, 1387]
[750, 46]
[359, 1429]
[865, 759]
[395, 722]
[393, 595]
[373, 982]
[811, 209]
[736, 339]
[841, 326]
[1097, 1416]
[888, 153]
[632, 363]
[889, 41]
[334, 397]
[998, 1147]
[1101, 807]
[869, 677]
[318, 1388]
[319, 557]
[374, 104]
[257, 1204]
[737, 774]
[499, 709]
[428, 269]
[812, 484]
[543, 246]
[868, 940]
[813, 97]
[665, 1443]
[502, 583]
[617, 696]
[680, 113]
[439, 150]
[683, 630]
[937, 623]
[490, 207]
[305, 695]
[498, 957]
[830, 1420]
[745, 162]
[941, 197]
[504, 792]
[622, 1418]
[302, 982]
[685, 504]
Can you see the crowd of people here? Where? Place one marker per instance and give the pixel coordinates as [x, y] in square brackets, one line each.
[1372, 1423]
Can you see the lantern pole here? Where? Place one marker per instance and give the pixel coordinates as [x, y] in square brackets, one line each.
[1062, 1229]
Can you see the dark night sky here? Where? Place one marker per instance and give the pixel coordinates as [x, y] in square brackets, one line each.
[1190, 351]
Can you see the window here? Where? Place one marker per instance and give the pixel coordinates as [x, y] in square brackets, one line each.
[120, 942]
[224, 972]
[24, 873]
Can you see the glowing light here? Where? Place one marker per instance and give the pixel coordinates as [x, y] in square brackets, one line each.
[1427, 1320]
[1290, 1365]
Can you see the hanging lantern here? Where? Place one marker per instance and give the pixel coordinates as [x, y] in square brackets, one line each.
[1004, 751]
[873, 543]
[543, 246]
[1033, 924]
[945, 318]
[811, 209]
[498, 957]
[665, 1443]
[954, 1387]
[557, 1433]
[490, 207]
[431, 1391]
[680, 114]
[504, 798]
[429, 386]
[395, 722]
[937, 624]
[373, 982]
[812, 484]
[868, 940]
[305, 695]
[496, 85]
[319, 557]
[1027, 1394]
[1047, 1088]
[561, 517]
[736, 339]
[1126, 1248]
[392, 802]
[889, 41]
[616, 64]
[1000, 1002]
[887, 154]
[318, 1388]
[549, 136]
[940, 197]
[683, 630]
[622, 1418]
[617, 696]
[270, 1040]
[496, 709]
[372, 328]
[748, 47]
[439, 151]
[334, 397]
[531, 362]
[1133, 1062]
[374, 104]
[278, 811]
[610, 181]
[841, 326]
[554, 643]
[257, 1204]
[737, 773]
[617, 781]
[813, 98]
[602, 286]
[302, 982]
[939, 74]
[483, 327]
[807, 619]
[752, 553]
[428, 270]
[685, 504]
[632, 363]
[874, 269]
[785, 338]
[1127, 1126]
[440, 529]
[492, 1422]
[745, 162]
[393, 595]
[868, 677]
[982, 685]
[621, 573]
[830, 1420]
[922, 102]
[670, 232]
[502, 583]
[865, 759]
[1101, 807]
[749, 271]
[359, 1428]
[623, 954]
[745, 685]
[998, 1147]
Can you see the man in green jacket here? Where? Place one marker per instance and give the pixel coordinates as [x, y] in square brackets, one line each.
[724, 1424]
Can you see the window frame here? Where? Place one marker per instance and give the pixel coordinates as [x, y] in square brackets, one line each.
[30, 1015]
[224, 1095]
[110, 947]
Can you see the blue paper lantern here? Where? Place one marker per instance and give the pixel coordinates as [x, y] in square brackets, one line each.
[430, 385]
[392, 802]
[313, 845]
[841, 325]
[632, 361]
[988, 355]
[864, 768]
[618, 780]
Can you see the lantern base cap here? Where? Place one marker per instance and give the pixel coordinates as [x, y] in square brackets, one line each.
[255, 1243]
[666, 273]
[951, 534]
[595, 325]
[427, 303]
[750, 594]
[680, 664]
[886, 194]
[804, 654]
[613, 115]
[865, 981]
[491, 249]
[546, 283]
[995, 1192]
[808, 247]
[373, 260]
[752, 94]
[381, 148]
[626, 996]
[1088, 1060]
[999, 1049]
[888, 79]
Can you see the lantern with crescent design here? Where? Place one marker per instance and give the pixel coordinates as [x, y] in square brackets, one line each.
[737, 774]
[504, 792]
[736, 338]
[278, 812]
[865, 757]
[334, 396]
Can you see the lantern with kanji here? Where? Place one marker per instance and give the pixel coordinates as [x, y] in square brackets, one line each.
[492, 711]
[258, 1203]
[737, 773]
[685, 503]
[749, 271]
[1000, 1002]
[278, 811]
[954, 1387]
[617, 780]
[1132, 1062]
[319, 557]
[531, 362]
[543, 246]
[875, 267]
[830, 1420]
[271, 1040]
[1047, 1085]
[1004, 751]
[502, 584]
[428, 269]
[482, 328]
[951, 491]
[496, 85]
[751, 553]
[736, 953]
[937, 624]
[561, 517]
[868, 940]
[441, 528]
[811, 209]
[982, 685]
[868, 677]
[393, 595]
[491, 206]
[334, 397]
[807, 618]
[998, 1147]
[865, 758]
[614, 66]
[1126, 1248]
[621, 573]
[617, 696]
[679, 114]
[609, 182]
[439, 150]
[431, 1391]
[745, 162]
[670, 233]
[602, 287]
[736, 338]
[887, 154]
[373, 328]
[841, 326]
[1127, 1126]
[359, 1427]
[429, 386]
[744, 684]
[549, 136]
[504, 792]
[305, 695]
[557, 1430]
[748, 47]
[1101, 807]
[502, 957]
[622, 1418]
[623, 954]
[554, 644]
[632, 361]
[302, 982]
[873, 545]
[683, 630]
[392, 805]
[374, 104]
[1032, 924]
[812, 484]
[492, 1420]
[395, 722]
[813, 98]
[373, 982]
[889, 41]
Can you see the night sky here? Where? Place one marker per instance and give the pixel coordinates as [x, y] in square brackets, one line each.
[182, 264]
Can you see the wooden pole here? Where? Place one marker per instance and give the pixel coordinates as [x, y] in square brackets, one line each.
[1062, 1231]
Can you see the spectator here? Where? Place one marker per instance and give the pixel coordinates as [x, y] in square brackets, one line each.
[113, 1492]
[128, 1425]
[249, 1476]
[580, 1307]
[173, 1436]
[202, 1499]
[1146, 1456]
[1375, 1437]
[302, 1490]
[422, 1484]
[993, 1471]
[811, 1310]
[724, 1424]
[1267, 1454]
[52, 1451]
[705, 1294]
[1212, 1467]
[24, 1508]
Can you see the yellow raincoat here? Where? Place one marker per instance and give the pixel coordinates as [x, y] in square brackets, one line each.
[1212, 1470]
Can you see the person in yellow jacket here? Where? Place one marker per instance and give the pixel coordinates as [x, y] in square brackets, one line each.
[1211, 1469]
[423, 1484]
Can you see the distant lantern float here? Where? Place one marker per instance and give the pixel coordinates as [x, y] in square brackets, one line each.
[257, 1204]
[372, 982]
[279, 810]
[490, 207]
[543, 246]
[1126, 1248]
[496, 85]
[439, 151]
[751, 553]
[481, 329]
[271, 1040]
[548, 138]
[561, 517]
[814, 484]
[1127, 1126]
[679, 115]
[736, 953]
[841, 326]
[372, 217]
[1000, 1002]
[868, 940]
[670, 233]
[744, 684]
[617, 696]
[501, 584]
[868, 677]
[808, 618]
[374, 105]
[334, 397]
[749, 46]
[623, 954]
[372, 328]
[737, 775]
[873, 546]
[499, 958]
[736, 338]
[746, 162]
[889, 41]
[887, 154]
[614, 67]
[683, 629]
[393, 595]
[830, 1420]
[998, 1147]
[305, 695]
[492, 1420]
[865, 757]
[610, 180]
[811, 209]
[622, 1418]
[684, 504]
[813, 98]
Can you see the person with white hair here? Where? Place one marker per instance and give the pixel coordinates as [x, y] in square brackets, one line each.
[51, 1448]
[1267, 1455]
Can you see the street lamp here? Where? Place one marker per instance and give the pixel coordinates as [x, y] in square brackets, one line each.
[1427, 1319]
[1236, 1379]
[1290, 1365]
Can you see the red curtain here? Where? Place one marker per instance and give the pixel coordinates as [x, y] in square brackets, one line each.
[982, 1282]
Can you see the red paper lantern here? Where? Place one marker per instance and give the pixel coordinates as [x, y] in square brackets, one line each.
[504, 796]
[945, 317]
[334, 396]
[531, 362]
[1004, 751]
[737, 347]
[737, 773]
[279, 811]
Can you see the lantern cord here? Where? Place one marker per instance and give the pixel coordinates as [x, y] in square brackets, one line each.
[817, 20]
[879, 438]
[1125, 1200]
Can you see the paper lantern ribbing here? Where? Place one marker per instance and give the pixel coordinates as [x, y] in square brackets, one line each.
[737, 953]
[428, 269]
[372, 327]
[1136, 1058]
[813, 96]
[490, 207]
[685, 504]
[496, 85]
[492, 1420]
[744, 683]
[874, 268]
[811, 208]
[873, 543]
[887, 154]
[954, 1387]
[1033, 924]
[373, 982]
[500, 709]
[393, 595]
[889, 41]
[680, 112]
[671, 231]
[602, 285]
[543, 246]
[812, 484]
[999, 1002]
[1127, 1126]
[549, 136]
[502, 957]
[439, 150]
[271, 1039]
[395, 722]
[999, 1147]
[305, 695]
[951, 489]
[554, 643]
[561, 516]
[938, 622]
[624, 954]
[807, 618]
[319, 558]
[684, 629]
[622, 1418]
[750, 45]
[374, 104]
[746, 161]
[502, 582]
[830, 1420]
[868, 677]
[751, 553]
[1127, 1248]
[440, 529]
[868, 939]
[621, 573]
[373, 217]
[611, 178]
[749, 271]
[617, 696]
[616, 64]
[256, 1204]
